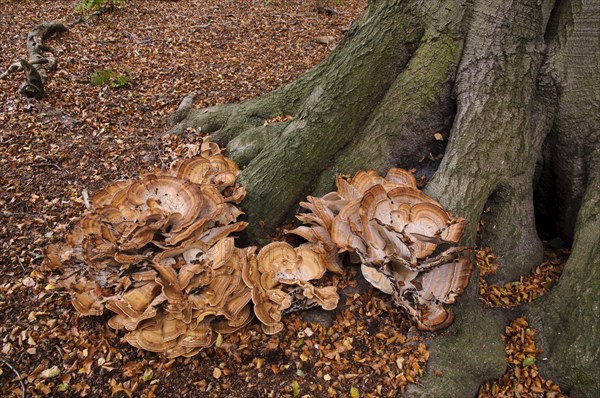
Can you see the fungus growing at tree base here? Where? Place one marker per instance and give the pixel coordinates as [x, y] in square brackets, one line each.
[157, 252]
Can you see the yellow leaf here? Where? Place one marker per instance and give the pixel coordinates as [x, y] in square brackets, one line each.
[50, 372]
[295, 388]
[148, 375]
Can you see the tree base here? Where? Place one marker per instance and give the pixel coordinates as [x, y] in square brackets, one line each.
[464, 356]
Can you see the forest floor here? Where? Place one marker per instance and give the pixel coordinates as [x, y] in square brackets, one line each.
[87, 133]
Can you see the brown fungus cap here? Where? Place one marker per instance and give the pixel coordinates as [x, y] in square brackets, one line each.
[394, 229]
[277, 267]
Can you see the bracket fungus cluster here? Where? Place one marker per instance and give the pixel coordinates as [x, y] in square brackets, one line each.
[393, 229]
[157, 253]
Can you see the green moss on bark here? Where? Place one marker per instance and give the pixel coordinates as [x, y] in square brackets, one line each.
[358, 74]
[400, 131]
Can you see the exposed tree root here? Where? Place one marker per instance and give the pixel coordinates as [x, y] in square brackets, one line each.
[38, 65]
[463, 356]
[228, 121]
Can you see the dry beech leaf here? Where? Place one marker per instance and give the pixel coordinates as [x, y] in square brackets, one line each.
[50, 372]
[217, 373]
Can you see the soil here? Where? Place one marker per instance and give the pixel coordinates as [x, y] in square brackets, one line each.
[120, 75]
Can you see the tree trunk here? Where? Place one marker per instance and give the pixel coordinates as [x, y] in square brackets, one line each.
[568, 317]
[514, 86]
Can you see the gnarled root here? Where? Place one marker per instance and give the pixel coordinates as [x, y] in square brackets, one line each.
[38, 65]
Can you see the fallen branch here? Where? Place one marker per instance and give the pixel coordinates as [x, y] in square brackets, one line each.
[18, 376]
[38, 65]
[46, 164]
[328, 10]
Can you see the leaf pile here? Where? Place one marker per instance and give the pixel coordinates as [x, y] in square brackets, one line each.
[522, 377]
[527, 288]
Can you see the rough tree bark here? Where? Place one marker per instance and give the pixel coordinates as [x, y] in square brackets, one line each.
[515, 86]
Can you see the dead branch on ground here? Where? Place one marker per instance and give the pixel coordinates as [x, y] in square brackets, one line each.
[40, 62]
[18, 376]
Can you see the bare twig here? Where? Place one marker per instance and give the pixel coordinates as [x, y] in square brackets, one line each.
[20, 262]
[328, 10]
[103, 10]
[18, 375]
[46, 164]
[86, 199]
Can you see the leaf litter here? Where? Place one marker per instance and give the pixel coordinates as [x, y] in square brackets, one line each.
[522, 377]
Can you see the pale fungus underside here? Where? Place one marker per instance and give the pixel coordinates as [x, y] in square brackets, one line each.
[157, 253]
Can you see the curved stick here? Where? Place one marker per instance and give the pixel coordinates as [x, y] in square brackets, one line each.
[18, 375]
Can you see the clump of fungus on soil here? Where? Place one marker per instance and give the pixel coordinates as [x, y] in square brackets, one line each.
[158, 254]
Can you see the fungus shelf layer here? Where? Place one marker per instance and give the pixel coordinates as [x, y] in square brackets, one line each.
[157, 252]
